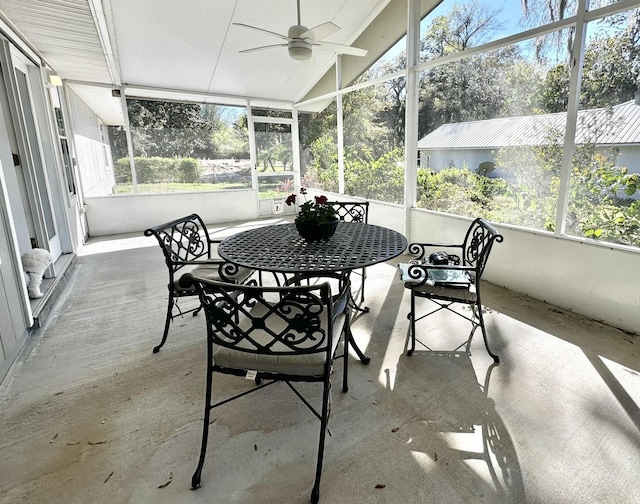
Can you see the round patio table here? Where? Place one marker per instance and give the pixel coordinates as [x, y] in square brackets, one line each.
[280, 249]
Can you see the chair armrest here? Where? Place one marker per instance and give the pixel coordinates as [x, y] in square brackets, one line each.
[415, 275]
[218, 270]
[443, 245]
[419, 249]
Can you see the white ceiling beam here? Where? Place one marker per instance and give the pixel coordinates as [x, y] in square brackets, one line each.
[100, 23]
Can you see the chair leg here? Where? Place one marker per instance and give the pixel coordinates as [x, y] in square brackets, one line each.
[315, 493]
[363, 358]
[345, 364]
[478, 307]
[195, 479]
[167, 323]
[412, 326]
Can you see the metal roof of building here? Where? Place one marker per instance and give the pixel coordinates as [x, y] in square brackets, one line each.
[605, 126]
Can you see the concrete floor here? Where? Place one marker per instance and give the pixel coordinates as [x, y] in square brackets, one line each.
[90, 415]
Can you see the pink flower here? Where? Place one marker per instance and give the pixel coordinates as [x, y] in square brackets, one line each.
[320, 200]
[291, 200]
[303, 190]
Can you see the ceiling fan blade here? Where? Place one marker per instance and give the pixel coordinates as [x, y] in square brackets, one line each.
[262, 48]
[284, 37]
[340, 49]
[321, 31]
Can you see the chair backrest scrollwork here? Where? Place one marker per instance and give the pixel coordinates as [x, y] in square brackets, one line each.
[182, 240]
[186, 242]
[478, 243]
[351, 211]
[289, 320]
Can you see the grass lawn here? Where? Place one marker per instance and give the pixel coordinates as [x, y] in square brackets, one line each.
[266, 190]
[169, 187]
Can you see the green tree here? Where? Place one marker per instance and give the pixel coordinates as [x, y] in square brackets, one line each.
[230, 137]
[524, 84]
[464, 26]
[555, 91]
[366, 136]
[603, 202]
[170, 129]
[230, 141]
[472, 88]
[611, 70]
[370, 117]
[273, 145]
[322, 170]
[393, 114]
[381, 179]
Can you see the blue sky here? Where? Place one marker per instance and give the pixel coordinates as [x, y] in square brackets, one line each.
[510, 15]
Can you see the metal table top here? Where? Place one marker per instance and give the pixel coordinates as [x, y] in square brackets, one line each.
[280, 248]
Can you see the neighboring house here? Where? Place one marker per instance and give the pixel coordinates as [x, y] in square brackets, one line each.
[475, 144]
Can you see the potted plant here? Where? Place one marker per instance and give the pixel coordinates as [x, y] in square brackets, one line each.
[316, 218]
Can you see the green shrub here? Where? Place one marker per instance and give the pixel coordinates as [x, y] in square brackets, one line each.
[381, 179]
[189, 170]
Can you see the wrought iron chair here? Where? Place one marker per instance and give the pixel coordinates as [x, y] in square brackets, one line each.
[354, 211]
[271, 334]
[186, 246]
[455, 280]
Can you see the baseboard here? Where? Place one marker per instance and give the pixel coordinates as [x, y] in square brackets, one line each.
[51, 288]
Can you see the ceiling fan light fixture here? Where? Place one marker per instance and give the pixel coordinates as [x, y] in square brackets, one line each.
[299, 50]
[300, 40]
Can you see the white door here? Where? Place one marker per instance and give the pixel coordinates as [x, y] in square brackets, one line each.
[276, 169]
[29, 161]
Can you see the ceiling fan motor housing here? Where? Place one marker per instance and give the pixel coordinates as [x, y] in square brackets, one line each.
[299, 48]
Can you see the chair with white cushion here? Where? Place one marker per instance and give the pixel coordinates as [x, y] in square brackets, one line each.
[274, 334]
[187, 247]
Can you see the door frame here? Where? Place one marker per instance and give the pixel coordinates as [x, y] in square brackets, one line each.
[270, 206]
[33, 156]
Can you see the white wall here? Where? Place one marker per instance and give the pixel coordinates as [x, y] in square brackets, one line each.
[94, 163]
[629, 157]
[469, 158]
[387, 215]
[440, 159]
[135, 213]
[597, 281]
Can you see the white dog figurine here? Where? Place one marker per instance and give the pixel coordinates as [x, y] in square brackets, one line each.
[35, 262]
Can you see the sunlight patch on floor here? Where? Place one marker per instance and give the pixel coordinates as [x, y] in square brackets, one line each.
[99, 246]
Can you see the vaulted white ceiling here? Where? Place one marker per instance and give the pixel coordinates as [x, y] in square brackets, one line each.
[192, 46]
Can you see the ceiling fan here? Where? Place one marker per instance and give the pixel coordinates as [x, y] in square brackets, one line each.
[300, 40]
